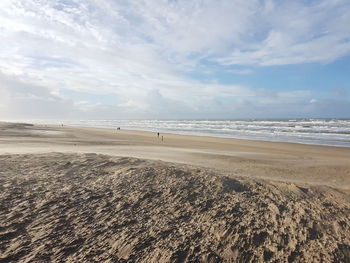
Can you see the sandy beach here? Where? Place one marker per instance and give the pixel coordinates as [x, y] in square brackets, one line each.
[290, 162]
[100, 195]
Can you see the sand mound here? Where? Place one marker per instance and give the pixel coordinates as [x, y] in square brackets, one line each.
[95, 208]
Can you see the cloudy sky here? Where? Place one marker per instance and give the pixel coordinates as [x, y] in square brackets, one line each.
[118, 59]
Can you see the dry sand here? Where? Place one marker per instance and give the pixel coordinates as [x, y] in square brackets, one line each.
[219, 200]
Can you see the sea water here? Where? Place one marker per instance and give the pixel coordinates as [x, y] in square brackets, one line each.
[334, 132]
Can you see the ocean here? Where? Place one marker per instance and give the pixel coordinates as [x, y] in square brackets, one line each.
[335, 132]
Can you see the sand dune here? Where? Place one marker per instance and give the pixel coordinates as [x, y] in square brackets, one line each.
[218, 200]
[93, 208]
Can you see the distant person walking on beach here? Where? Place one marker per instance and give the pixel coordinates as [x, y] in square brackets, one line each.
[162, 137]
[158, 134]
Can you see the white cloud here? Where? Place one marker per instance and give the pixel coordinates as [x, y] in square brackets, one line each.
[142, 52]
[294, 33]
[241, 71]
[19, 99]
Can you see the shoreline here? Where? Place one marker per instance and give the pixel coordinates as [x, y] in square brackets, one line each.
[282, 161]
[205, 136]
[288, 137]
[214, 136]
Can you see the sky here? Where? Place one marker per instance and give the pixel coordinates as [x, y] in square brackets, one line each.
[175, 59]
